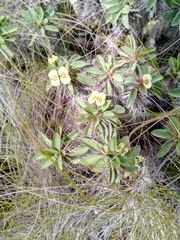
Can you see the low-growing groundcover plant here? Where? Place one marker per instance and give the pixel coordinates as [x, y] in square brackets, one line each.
[89, 142]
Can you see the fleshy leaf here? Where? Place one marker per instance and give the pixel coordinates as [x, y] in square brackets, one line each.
[162, 133]
[132, 97]
[46, 163]
[71, 136]
[92, 144]
[165, 149]
[56, 142]
[88, 160]
[45, 140]
[99, 165]
[85, 79]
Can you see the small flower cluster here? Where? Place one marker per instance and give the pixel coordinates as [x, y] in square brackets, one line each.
[61, 75]
[98, 98]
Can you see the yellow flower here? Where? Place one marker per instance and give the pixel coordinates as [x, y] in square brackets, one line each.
[120, 147]
[64, 76]
[97, 97]
[123, 150]
[53, 60]
[93, 97]
[147, 80]
[53, 75]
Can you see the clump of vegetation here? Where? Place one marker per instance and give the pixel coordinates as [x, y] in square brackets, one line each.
[90, 133]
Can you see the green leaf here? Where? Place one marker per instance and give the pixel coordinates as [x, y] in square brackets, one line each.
[96, 121]
[78, 151]
[108, 87]
[80, 103]
[112, 144]
[118, 65]
[99, 165]
[46, 41]
[45, 140]
[89, 110]
[153, 63]
[173, 3]
[127, 50]
[117, 109]
[92, 144]
[171, 15]
[125, 21]
[143, 90]
[56, 142]
[114, 9]
[125, 9]
[51, 28]
[66, 159]
[118, 78]
[129, 168]
[70, 137]
[101, 62]
[48, 87]
[71, 89]
[39, 156]
[94, 71]
[108, 4]
[176, 20]
[49, 153]
[175, 124]
[115, 17]
[116, 161]
[49, 13]
[175, 92]
[112, 175]
[119, 86]
[87, 131]
[78, 64]
[85, 79]
[59, 162]
[150, 3]
[165, 149]
[89, 159]
[109, 59]
[24, 13]
[46, 163]
[108, 115]
[105, 106]
[173, 63]
[103, 131]
[6, 50]
[109, 17]
[135, 151]
[178, 148]
[7, 30]
[42, 31]
[74, 57]
[162, 133]
[124, 159]
[132, 98]
[31, 39]
[156, 78]
[81, 119]
[40, 13]
[59, 131]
